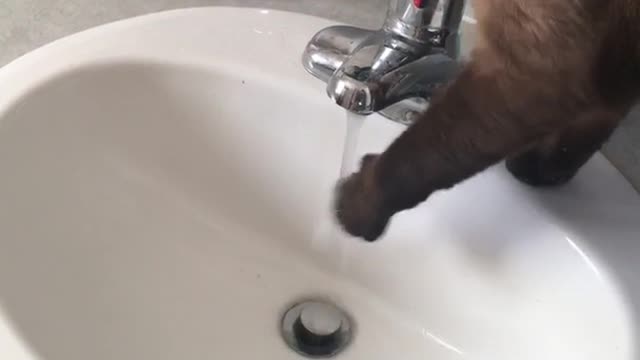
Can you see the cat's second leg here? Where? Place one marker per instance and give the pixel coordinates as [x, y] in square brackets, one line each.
[558, 157]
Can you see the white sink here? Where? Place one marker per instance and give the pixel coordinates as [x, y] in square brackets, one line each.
[165, 194]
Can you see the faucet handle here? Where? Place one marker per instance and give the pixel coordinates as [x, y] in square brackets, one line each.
[424, 21]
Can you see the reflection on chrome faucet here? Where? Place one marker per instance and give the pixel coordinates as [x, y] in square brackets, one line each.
[396, 69]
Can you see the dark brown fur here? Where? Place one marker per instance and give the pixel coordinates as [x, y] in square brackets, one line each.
[547, 84]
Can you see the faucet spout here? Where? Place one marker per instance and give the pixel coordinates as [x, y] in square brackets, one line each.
[365, 84]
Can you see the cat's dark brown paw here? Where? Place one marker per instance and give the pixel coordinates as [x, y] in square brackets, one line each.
[531, 170]
[359, 204]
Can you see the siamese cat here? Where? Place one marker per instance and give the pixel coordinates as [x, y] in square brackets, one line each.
[546, 85]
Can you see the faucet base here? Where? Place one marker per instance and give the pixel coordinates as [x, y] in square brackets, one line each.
[406, 112]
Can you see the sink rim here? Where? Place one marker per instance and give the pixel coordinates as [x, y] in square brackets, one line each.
[40, 67]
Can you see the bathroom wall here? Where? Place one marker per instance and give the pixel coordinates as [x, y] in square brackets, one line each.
[27, 24]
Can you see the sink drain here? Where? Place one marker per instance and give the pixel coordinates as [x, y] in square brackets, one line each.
[316, 329]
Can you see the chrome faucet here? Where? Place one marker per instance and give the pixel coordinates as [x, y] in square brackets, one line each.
[396, 69]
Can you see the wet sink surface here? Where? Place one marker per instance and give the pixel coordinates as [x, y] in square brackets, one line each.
[165, 195]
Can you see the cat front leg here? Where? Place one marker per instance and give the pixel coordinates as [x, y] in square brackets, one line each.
[557, 158]
[485, 115]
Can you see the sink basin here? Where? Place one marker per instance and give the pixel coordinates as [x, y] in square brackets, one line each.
[165, 194]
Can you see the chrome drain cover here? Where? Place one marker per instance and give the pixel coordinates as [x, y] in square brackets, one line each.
[316, 329]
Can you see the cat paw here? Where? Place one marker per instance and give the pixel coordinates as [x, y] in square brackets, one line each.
[359, 206]
[530, 170]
